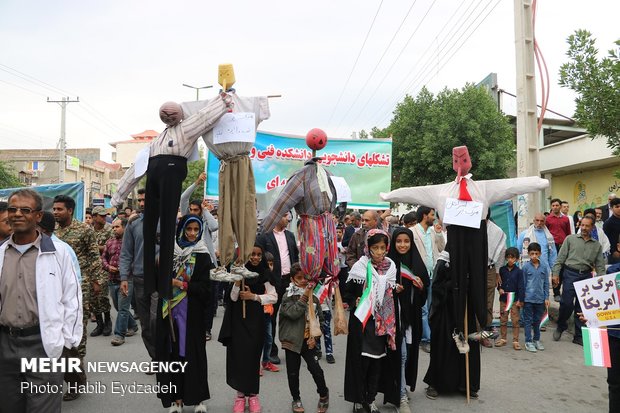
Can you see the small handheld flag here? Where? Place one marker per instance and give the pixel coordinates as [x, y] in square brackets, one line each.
[596, 347]
[545, 319]
[406, 273]
[510, 300]
[364, 308]
[321, 291]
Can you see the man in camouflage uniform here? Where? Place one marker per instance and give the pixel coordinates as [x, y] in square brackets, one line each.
[100, 304]
[81, 238]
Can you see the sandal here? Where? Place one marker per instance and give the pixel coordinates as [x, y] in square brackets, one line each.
[516, 345]
[323, 404]
[500, 342]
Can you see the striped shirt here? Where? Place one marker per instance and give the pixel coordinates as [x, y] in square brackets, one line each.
[302, 192]
[178, 140]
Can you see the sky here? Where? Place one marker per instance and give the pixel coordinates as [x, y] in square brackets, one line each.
[340, 65]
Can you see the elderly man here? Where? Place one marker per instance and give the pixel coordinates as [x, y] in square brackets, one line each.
[581, 256]
[538, 232]
[40, 307]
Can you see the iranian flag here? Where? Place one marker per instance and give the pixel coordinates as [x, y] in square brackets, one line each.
[596, 347]
[364, 308]
[510, 300]
[545, 319]
[406, 272]
[321, 291]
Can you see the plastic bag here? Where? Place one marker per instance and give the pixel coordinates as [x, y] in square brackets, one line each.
[315, 328]
[340, 319]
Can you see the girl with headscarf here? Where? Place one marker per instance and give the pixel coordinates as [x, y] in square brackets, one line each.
[373, 356]
[244, 336]
[180, 319]
[412, 275]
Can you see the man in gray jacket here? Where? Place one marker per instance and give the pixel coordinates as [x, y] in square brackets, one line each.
[131, 268]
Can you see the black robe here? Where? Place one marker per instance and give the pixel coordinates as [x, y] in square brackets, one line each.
[410, 301]
[446, 371]
[389, 383]
[244, 337]
[192, 386]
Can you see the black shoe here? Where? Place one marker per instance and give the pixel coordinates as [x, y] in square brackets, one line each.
[319, 355]
[557, 298]
[431, 393]
[208, 336]
[473, 395]
[274, 359]
[107, 325]
[578, 341]
[99, 329]
[330, 359]
[425, 346]
[557, 334]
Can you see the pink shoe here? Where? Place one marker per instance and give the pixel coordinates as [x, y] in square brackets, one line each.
[239, 405]
[254, 404]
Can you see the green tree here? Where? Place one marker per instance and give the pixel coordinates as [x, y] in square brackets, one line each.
[597, 84]
[426, 128]
[194, 169]
[363, 134]
[8, 179]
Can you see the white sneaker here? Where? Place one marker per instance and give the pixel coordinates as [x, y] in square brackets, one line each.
[242, 271]
[176, 408]
[200, 408]
[220, 274]
[404, 405]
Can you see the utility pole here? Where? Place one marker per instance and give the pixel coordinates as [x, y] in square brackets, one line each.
[62, 144]
[527, 134]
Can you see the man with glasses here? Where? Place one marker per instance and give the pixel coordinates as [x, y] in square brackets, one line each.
[40, 307]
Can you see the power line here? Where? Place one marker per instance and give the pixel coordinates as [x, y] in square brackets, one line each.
[377, 65]
[33, 80]
[394, 63]
[355, 64]
[422, 75]
[405, 80]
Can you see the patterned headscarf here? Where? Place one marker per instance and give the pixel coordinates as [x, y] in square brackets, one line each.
[183, 223]
[383, 265]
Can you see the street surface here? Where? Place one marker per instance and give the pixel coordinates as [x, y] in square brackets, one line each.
[554, 380]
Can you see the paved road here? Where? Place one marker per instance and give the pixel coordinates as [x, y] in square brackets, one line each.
[554, 380]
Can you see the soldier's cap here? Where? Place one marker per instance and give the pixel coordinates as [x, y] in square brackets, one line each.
[47, 221]
[99, 210]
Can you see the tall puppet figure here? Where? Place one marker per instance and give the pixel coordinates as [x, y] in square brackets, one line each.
[165, 172]
[237, 190]
[468, 245]
[313, 195]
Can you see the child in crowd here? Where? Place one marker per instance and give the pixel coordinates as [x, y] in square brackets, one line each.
[179, 336]
[412, 282]
[373, 361]
[511, 282]
[536, 280]
[268, 313]
[244, 334]
[296, 340]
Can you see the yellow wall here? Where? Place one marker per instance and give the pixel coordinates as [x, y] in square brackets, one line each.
[587, 189]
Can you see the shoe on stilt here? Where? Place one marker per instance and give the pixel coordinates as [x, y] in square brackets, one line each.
[242, 271]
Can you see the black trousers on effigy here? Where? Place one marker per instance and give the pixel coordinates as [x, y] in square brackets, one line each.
[468, 260]
[164, 177]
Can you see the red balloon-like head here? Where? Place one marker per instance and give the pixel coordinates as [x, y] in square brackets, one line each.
[316, 139]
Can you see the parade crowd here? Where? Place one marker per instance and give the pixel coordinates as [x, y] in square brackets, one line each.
[400, 265]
